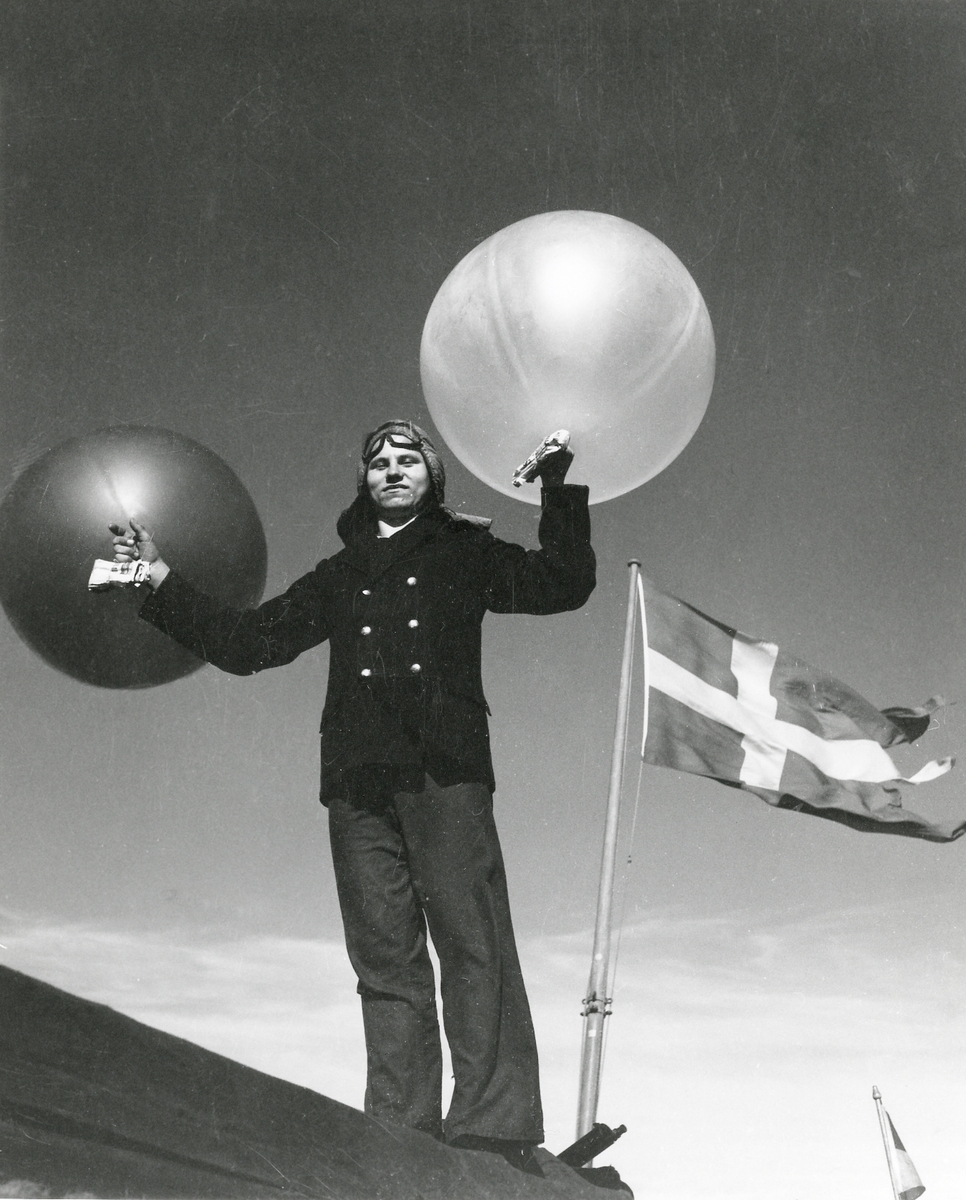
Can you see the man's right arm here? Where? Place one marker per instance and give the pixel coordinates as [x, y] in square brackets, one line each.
[240, 641]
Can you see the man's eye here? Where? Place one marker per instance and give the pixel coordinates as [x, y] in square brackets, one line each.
[378, 464]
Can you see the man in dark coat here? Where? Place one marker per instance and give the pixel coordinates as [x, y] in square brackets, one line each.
[406, 768]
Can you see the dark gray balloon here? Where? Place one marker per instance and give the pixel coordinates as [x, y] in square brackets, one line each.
[54, 523]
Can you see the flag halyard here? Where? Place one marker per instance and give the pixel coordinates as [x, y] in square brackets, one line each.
[742, 711]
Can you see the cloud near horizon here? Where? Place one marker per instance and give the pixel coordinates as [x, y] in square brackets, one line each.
[741, 1054]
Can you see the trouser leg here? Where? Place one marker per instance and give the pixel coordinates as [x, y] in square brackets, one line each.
[386, 939]
[458, 873]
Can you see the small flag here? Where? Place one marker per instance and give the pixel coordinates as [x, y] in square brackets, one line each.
[739, 710]
[907, 1182]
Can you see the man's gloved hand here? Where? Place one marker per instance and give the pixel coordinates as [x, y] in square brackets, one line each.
[552, 470]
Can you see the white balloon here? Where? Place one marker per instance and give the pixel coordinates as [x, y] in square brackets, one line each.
[573, 320]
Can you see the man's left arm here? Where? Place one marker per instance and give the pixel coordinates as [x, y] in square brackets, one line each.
[558, 577]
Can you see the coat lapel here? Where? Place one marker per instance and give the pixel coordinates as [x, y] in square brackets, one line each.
[359, 552]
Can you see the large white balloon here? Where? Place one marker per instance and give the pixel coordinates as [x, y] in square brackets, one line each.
[573, 320]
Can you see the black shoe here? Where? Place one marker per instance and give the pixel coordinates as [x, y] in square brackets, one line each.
[604, 1177]
[520, 1155]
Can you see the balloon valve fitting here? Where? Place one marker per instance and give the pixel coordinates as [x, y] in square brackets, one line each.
[527, 471]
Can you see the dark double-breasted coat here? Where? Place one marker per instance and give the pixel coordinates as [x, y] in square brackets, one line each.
[405, 701]
[403, 616]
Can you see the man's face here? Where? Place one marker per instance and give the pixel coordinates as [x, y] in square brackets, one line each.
[397, 479]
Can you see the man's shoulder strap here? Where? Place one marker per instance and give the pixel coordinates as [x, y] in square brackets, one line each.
[467, 519]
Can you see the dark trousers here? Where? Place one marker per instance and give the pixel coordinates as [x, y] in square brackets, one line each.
[433, 859]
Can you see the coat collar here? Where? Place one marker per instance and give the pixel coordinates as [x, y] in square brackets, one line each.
[357, 528]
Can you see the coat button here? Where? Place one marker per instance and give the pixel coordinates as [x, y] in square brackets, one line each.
[365, 673]
[367, 591]
[366, 629]
[413, 623]
[411, 580]
[415, 668]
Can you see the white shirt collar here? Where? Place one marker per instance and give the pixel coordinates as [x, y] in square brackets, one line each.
[387, 531]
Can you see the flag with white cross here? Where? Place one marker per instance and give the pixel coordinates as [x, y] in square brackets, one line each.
[742, 711]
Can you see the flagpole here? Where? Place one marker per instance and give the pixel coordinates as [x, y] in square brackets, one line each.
[877, 1097]
[597, 1002]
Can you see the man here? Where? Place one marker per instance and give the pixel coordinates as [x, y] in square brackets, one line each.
[406, 768]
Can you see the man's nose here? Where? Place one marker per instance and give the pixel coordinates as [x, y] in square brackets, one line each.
[394, 473]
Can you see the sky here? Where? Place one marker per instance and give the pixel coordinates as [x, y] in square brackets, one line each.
[230, 220]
